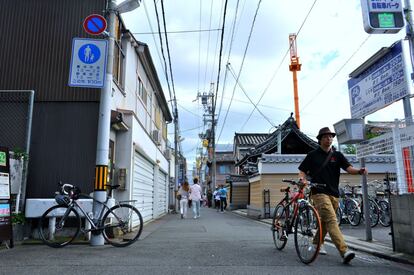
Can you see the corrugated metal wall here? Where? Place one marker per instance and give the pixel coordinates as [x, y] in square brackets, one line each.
[35, 52]
[35, 46]
[63, 147]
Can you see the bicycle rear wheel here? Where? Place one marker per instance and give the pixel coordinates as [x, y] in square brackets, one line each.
[385, 215]
[63, 228]
[308, 236]
[352, 212]
[279, 227]
[374, 212]
[122, 225]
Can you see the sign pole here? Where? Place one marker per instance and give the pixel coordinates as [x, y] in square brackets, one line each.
[102, 147]
[410, 35]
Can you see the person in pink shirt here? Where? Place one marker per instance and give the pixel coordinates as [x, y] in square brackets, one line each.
[195, 196]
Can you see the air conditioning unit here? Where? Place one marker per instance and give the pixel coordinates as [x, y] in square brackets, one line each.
[167, 154]
[156, 136]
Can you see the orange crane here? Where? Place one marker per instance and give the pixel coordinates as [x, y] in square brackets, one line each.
[294, 67]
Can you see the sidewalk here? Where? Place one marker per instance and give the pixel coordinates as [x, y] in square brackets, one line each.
[380, 246]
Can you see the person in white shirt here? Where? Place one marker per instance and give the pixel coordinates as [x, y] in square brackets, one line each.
[195, 196]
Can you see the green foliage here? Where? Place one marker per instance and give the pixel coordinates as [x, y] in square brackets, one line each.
[18, 218]
[19, 153]
[370, 135]
[350, 149]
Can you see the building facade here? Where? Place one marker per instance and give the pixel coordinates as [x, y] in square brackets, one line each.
[36, 54]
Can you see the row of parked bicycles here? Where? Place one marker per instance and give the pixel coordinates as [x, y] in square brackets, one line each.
[351, 207]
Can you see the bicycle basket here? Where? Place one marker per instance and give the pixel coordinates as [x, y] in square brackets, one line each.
[62, 200]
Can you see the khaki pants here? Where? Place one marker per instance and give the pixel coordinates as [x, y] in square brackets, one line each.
[326, 206]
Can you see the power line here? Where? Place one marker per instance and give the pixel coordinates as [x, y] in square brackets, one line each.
[336, 73]
[241, 67]
[228, 58]
[251, 101]
[184, 31]
[163, 55]
[280, 64]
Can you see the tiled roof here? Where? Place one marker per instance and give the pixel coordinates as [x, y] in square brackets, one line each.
[289, 126]
[224, 147]
[274, 158]
[237, 178]
[249, 139]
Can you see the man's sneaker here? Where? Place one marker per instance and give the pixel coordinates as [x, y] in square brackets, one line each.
[348, 256]
[322, 250]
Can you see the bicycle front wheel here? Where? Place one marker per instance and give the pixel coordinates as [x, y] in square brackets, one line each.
[279, 227]
[122, 225]
[308, 234]
[59, 226]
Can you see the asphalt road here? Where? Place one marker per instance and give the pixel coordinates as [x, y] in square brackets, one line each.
[216, 243]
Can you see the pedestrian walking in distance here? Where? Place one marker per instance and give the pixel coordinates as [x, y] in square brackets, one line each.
[323, 166]
[195, 196]
[223, 198]
[216, 195]
[183, 192]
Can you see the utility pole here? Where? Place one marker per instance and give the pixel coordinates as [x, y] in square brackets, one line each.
[213, 144]
[102, 146]
[176, 161]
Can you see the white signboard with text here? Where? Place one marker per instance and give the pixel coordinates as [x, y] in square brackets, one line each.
[381, 84]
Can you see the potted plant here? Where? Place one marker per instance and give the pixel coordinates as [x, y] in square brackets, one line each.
[18, 224]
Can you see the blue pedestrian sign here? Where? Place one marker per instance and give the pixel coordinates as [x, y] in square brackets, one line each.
[88, 63]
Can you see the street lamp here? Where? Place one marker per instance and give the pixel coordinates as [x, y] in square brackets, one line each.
[127, 6]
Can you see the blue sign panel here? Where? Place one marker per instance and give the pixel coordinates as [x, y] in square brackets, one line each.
[381, 84]
[88, 63]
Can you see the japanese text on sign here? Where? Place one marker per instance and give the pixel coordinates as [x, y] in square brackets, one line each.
[380, 85]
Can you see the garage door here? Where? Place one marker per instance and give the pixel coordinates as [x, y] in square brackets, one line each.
[143, 190]
[162, 193]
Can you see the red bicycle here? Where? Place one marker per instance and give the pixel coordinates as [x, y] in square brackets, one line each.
[295, 215]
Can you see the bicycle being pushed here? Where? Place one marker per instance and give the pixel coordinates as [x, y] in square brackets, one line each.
[295, 215]
[121, 225]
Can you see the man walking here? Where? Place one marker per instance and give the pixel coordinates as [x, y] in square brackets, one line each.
[195, 196]
[323, 165]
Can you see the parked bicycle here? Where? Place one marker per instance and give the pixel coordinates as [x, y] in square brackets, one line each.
[294, 214]
[348, 207]
[121, 225]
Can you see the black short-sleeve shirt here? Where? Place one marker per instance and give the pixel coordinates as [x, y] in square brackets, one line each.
[329, 175]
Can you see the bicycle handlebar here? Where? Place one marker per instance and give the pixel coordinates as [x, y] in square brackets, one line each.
[299, 183]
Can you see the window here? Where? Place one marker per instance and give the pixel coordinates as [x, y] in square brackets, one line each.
[119, 56]
[224, 169]
[142, 92]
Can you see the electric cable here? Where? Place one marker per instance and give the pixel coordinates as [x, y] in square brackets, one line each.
[241, 67]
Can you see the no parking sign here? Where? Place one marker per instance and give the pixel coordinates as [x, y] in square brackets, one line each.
[88, 63]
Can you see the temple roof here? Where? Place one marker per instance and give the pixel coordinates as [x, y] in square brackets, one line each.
[249, 139]
[293, 141]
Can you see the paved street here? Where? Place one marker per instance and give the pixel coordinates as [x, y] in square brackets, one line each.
[217, 243]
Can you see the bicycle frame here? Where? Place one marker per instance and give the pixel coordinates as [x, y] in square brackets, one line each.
[297, 198]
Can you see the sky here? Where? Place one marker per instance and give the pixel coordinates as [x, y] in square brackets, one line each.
[331, 43]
